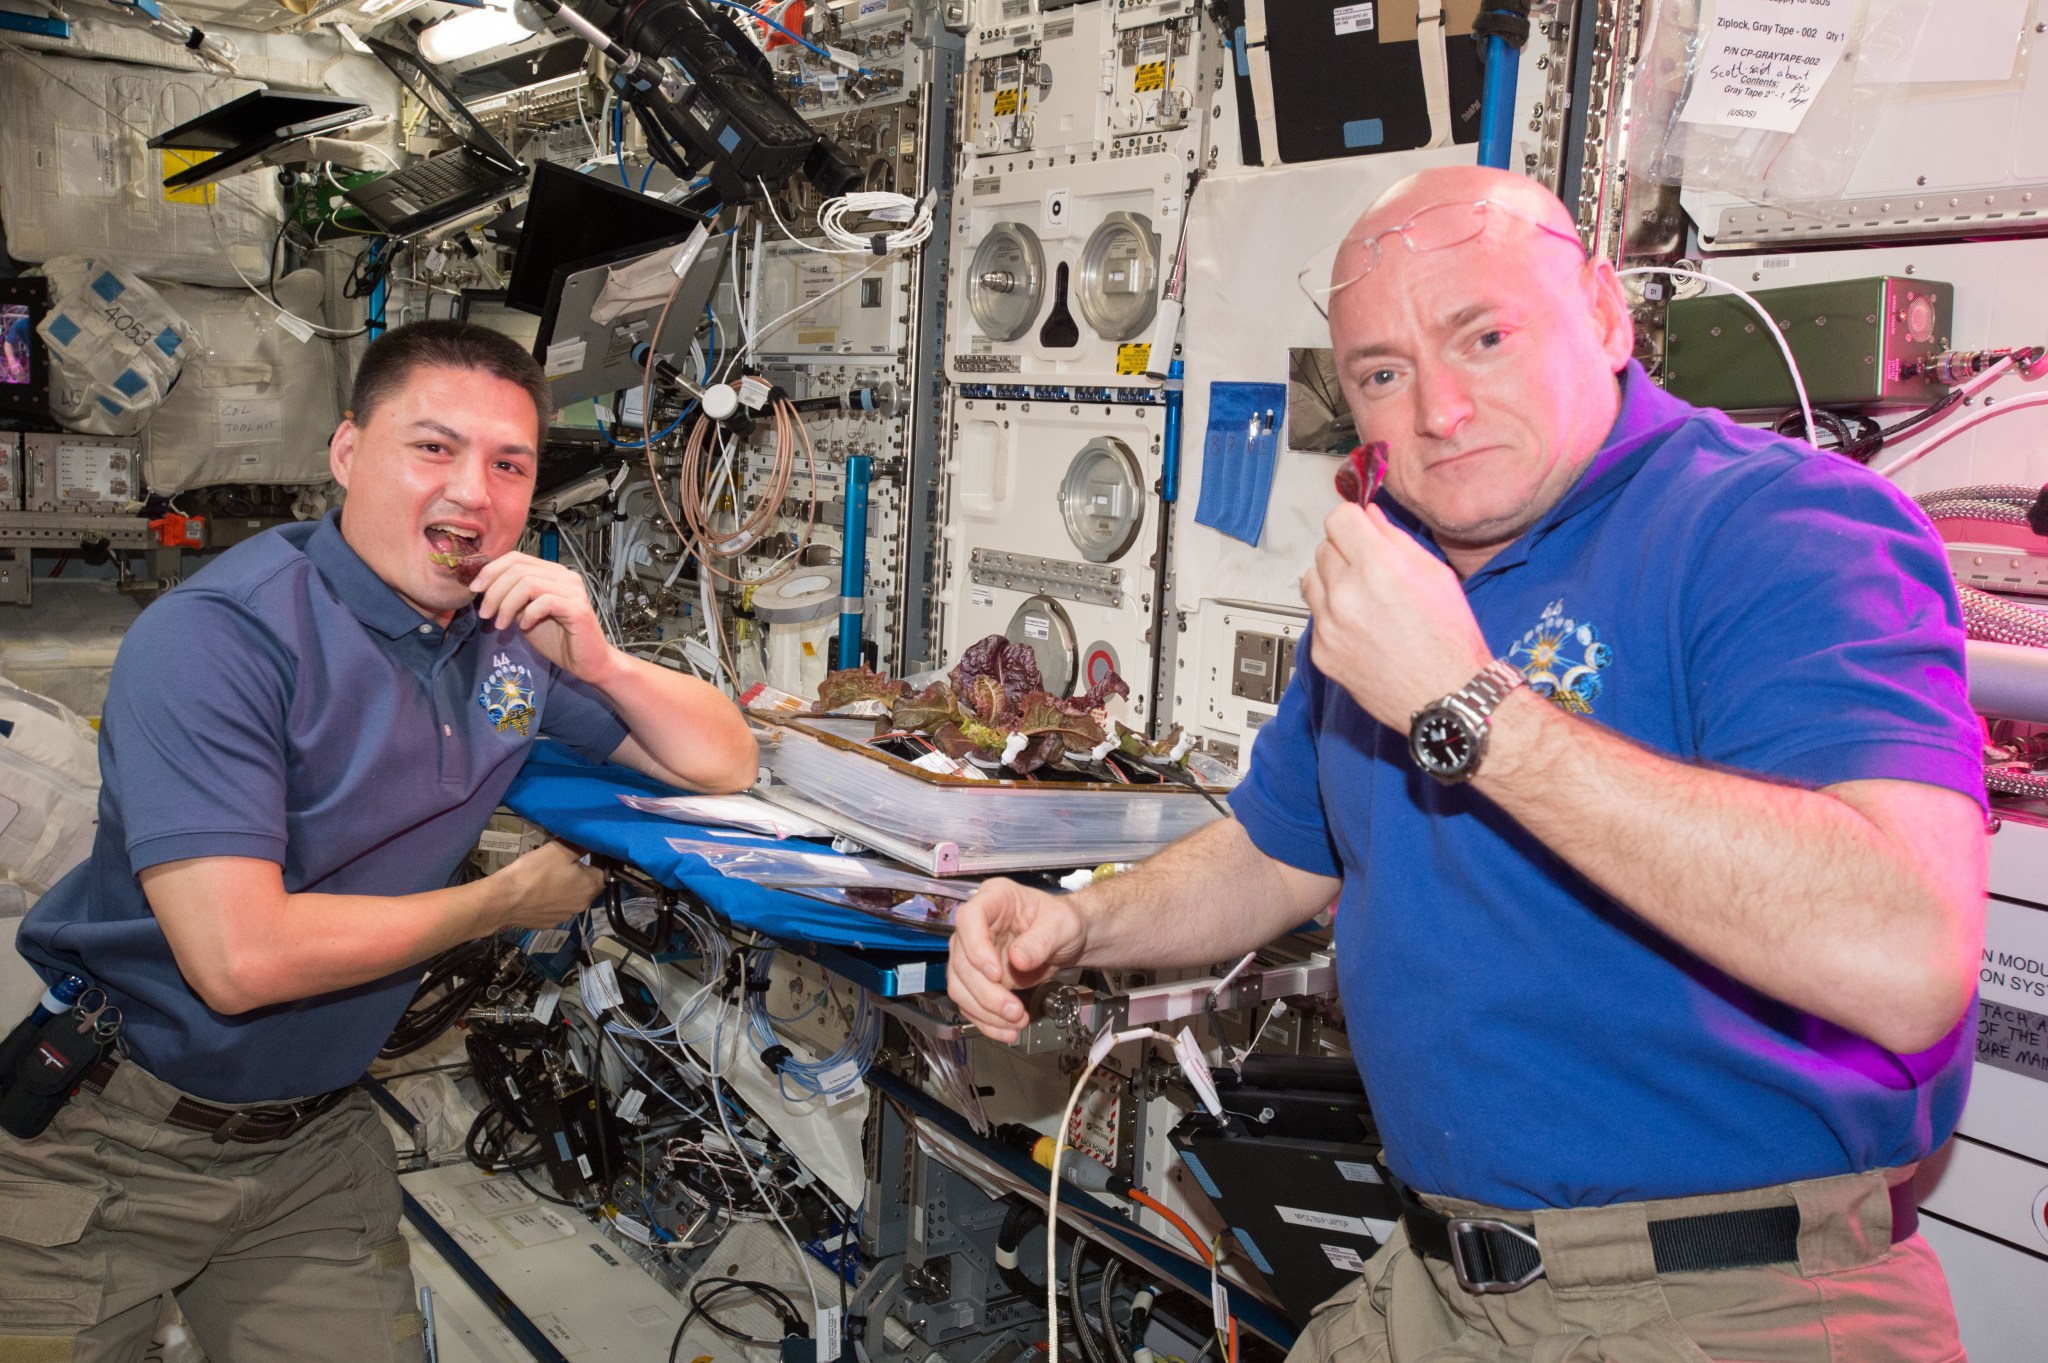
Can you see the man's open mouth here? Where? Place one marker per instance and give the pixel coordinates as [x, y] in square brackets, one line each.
[455, 548]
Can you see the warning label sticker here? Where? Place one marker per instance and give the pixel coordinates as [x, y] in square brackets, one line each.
[1149, 77]
[1006, 103]
[1132, 358]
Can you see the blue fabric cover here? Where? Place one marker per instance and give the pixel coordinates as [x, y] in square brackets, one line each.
[1242, 443]
[578, 801]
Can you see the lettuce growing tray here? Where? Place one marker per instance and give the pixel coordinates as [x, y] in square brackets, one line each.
[957, 825]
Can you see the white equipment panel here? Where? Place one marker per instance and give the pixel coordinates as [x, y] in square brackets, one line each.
[1051, 534]
[1056, 271]
[1235, 662]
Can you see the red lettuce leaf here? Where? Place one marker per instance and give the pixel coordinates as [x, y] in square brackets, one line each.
[851, 684]
[994, 675]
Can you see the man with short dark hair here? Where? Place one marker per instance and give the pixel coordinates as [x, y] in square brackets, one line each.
[300, 747]
[1634, 749]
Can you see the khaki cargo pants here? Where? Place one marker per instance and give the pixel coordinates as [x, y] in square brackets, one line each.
[1853, 1297]
[285, 1250]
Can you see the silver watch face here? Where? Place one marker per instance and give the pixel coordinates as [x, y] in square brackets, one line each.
[1443, 742]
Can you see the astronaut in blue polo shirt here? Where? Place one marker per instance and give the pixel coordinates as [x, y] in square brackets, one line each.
[1633, 748]
[300, 747]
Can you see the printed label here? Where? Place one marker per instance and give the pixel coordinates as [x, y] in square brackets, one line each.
[910, 977]
[981, 596]
[1149, 77]
[1353, 19]
[499, 1195]
[1134, 357]
[1344, 1259]
[566, 357]
[1006, 103]
[479, 1243]
[599, 985]
[536, 1226]
[1297, 1216]
[1037, 627]
[1359, 1173]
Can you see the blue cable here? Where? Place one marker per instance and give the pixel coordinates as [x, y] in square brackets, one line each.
[753, 13]
[619, 142]
[709, 365]
[645, 176]
[641, 444]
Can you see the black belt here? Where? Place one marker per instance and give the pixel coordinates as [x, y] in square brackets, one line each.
[244, 1125]
[1493, 1255]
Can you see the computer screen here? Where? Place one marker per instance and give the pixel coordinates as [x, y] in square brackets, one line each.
[16, 367]
[572, 217]
[487, 308]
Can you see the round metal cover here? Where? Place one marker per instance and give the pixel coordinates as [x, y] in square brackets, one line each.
[1102, 499]
[1005, 281]
[1042, 624]
[1119, 286]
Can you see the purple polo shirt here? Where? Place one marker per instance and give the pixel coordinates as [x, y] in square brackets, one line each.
[286, 704]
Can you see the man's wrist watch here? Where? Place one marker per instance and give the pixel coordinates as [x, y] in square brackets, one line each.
[1447, 738]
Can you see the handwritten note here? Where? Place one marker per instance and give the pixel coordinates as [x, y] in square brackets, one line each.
[1762, 62]
[250, 421]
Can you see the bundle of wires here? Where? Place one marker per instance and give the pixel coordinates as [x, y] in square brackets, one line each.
[837, 1074]
[701, 488]
[455, 982]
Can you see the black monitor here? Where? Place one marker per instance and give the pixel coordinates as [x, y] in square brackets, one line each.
[24, 363]
[571, 217]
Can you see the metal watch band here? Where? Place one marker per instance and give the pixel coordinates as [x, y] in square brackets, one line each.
[1494, 684]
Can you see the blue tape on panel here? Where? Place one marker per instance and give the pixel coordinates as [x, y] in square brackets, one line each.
[108, 287]
[729, 139]
[130, 383]
[1201, 1175]
[63, 330]
[1244, 1237]
[1364, 132]
[168, 341]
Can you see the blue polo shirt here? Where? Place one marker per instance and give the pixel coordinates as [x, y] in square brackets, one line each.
[1716, 594]
[286, 704]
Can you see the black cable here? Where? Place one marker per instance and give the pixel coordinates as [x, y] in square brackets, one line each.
[700, 1305]
[454, 982]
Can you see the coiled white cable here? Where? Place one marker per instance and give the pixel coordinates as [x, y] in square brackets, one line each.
[887, 205]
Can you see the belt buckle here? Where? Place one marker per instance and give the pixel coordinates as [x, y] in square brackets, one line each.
[1461, 1226]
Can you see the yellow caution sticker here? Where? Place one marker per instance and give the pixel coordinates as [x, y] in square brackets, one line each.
[1151, 76]
[1132, 359]
[1006, 103]
[175, 161]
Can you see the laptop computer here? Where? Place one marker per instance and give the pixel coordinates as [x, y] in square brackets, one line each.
[446, 184]
[243, 129]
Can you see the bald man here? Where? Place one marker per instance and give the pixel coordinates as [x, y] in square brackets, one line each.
[1634, 748]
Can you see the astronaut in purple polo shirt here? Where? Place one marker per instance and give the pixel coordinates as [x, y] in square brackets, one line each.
[1634, 749]
[300, 747]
